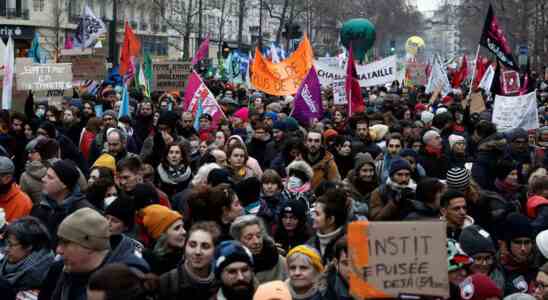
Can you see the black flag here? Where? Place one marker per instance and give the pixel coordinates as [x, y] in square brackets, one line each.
[493, 38]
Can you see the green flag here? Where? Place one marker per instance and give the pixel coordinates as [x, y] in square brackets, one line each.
[148, 70]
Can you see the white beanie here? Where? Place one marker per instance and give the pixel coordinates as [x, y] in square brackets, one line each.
[427, 117]
[429, 135]
[455, 138]
[542, 243]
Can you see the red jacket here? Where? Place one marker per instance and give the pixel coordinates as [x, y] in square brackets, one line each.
[533, 203]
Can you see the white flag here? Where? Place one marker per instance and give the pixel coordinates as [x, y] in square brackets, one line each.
[511, 112]
[438, 79]
[487, 79]
[9, 70]
[274, 54]
[89, 29]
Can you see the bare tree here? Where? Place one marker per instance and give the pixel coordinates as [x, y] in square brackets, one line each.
[59, 15]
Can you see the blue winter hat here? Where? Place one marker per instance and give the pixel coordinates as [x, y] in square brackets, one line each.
[271, 115]
[229, 252]
[409, 152]
[399, 164]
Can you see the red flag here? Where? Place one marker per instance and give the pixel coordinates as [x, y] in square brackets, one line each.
[494, 39]
[482, 64]
[352, 87]
[461, 74]
[130, 48]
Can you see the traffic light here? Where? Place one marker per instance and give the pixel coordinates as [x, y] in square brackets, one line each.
[392, 46]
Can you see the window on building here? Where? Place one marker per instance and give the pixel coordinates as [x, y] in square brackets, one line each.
[38, 5]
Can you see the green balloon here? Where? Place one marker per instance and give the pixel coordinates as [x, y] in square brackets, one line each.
[360, 33]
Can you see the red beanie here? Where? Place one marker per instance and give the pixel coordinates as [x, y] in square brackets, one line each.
[479, 287]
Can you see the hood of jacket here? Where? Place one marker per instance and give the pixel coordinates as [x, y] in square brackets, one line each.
[302, 166]
[124, 250]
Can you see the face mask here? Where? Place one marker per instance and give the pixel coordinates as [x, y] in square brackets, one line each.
[294, 182]
[109, 200]
[40, 113]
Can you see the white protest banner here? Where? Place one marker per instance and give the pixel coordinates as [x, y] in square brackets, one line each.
[40, 77]
[438, 78]
[339, 93]
[379, 72]
[516, 112]
[389, 259]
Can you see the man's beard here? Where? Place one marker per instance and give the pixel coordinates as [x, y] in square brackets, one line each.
[244, 291]
[4, 188]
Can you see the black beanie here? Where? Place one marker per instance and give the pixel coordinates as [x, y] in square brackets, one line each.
[122, 209]
[517, 226]
[168, 118]
[474, 240]
[248, 190]
[67, 172]
[504, 167]
[47, 147]
[296, 207]
[144, 195]
[218, 176]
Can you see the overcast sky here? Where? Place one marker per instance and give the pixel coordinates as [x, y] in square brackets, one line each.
[425, 5]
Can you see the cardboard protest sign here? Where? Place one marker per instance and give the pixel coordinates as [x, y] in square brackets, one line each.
[89, 64]
[389, 259]
[477, 104]
[516, 112]
[339, 93]
[40, 77]
[170, 75]
[285, 77]
[376, 73]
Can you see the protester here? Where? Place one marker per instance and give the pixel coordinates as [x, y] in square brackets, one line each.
[234, 269]
[13, 200]
[251, 232]
[305, 266]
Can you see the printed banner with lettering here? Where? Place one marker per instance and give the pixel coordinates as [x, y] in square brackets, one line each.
[285, 77]
[389, 259]
[40, 77]
[516, 112]
[379, 72]
[170, 75]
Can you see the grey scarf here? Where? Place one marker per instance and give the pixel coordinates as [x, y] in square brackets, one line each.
[29, 272]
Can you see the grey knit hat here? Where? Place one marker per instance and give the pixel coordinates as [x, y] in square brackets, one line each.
[87, 228]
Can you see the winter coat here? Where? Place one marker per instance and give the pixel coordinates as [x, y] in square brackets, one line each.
[422, 212]
[179, 283]
[269, 265]
[328, 252]
[390, 202]
[433, 165]
[60, 285]
[324, 169]
[162, 264]
[257, 149]
[52, 214]
[336, 288]
[16, 203]
[31, 179]
[484, 169]
[25, 276]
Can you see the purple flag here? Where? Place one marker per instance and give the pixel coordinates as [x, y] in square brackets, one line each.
[308, 100]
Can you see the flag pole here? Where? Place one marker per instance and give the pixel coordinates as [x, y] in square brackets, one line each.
[474, 71]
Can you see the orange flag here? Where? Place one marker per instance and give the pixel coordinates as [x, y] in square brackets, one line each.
[130, 48]
[285, 77]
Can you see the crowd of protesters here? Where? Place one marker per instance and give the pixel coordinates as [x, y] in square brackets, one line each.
[159, 205]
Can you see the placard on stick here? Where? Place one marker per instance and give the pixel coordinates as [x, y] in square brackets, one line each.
[40, 77]
[170, 75]
[86, 65]
[389, 259]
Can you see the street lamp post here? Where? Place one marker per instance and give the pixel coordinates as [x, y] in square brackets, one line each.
[113, 49]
